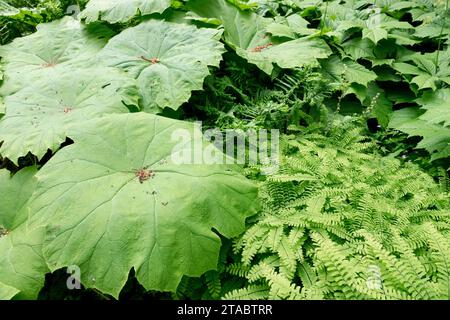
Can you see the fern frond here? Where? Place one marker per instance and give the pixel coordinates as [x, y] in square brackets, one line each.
[251, 292]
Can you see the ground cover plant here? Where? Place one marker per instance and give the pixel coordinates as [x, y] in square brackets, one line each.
[355, 206]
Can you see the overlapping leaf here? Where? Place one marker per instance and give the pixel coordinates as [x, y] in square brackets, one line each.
[7, 10]
[246, 32]
[115, 11]
[347, 70]
[41, 116]
[427, 69]
[290, 27]
[116, 200]
[430, 122]
[243, 29]
[358, 48]
[168, 60]
[372, 22]
[22, 267]
[2, 107]
[65, 42]
[434, 25]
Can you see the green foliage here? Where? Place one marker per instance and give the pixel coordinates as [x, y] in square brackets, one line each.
[55, 45]
[7, 292]
[61, 107]
[21, 263]
[381, 38]
[340, 222]
[20, 17]
[115, 11]
[115, 207]
[348, 216]
[246, 32]
[375, 49]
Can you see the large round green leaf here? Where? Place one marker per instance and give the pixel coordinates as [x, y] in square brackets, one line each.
[21, 263]
[115, 200]
[2, 107]
[115, 11]
[169, 60]
[59, 43]
[436, 138]
[40, 116]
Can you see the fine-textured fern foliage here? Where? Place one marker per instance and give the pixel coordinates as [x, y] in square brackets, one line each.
[341, 222]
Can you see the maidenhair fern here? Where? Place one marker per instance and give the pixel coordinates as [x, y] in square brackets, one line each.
[341, 222]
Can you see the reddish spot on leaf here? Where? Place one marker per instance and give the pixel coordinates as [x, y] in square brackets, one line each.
[144, 174]
[262, 47]
[151, 60]
[48, 65]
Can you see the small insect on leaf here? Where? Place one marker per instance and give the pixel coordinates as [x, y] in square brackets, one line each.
[144, 174]
[67, 110]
